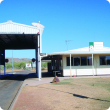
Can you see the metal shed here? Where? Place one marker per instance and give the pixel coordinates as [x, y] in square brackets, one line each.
[19, 36]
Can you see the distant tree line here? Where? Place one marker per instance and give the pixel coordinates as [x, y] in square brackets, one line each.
[20, 65]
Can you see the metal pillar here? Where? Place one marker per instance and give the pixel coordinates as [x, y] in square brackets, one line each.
[52, 64]
[36, 51]
[12, 61]
[70, 66]
[40, 42]
[4, 61]
[38, 59]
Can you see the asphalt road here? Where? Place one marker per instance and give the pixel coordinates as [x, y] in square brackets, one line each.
[9, 88]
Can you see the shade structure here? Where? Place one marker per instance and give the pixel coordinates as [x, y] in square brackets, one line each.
[18, 41]
[20, 36]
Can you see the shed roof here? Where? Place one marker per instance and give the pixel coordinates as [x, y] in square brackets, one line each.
[18, 36]
[10, 27]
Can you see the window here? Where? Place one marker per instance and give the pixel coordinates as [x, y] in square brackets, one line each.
[55, 62]
[76, 61]
[102, 60]
[89, 60]
[68, 61]
[83, 61]
[60, 61]
[108, 60]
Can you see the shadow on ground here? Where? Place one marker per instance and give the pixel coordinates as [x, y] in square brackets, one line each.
[85, 97]
[43, 75]
[22, 75]
[76, 95]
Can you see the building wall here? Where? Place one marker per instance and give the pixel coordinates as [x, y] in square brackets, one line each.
[85, 70]
[101, 69]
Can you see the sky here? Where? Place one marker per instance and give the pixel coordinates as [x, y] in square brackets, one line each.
[80, 21]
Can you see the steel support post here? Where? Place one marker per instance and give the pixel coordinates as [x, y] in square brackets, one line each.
[12, 61]
[70, 66]
[92, 65]
[4, 61]
[36, 51]
[39, 59]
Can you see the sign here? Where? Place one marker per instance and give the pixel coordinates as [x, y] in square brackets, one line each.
[28, 65]
[6, 60]
[42, 54]
[33, 60]
[91, 46]
[95, 46]
[98, 46]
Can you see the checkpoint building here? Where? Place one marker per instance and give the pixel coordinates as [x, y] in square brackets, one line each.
[92, 60]
[19, 36]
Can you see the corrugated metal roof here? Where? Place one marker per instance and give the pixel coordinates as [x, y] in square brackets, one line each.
[17, 28]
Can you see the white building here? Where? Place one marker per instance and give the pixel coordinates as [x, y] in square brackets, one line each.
[92, 60]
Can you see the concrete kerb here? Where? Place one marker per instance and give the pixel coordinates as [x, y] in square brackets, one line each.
[16, 97]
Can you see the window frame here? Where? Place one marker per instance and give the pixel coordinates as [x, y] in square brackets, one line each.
[82, 59]
[100, 61]
[105, 60]
[79, 61]
[69, 61]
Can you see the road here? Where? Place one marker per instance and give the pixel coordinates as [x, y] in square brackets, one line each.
[9, 88]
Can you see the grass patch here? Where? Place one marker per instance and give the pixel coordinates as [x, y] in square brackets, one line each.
[97, 91]
[61, 83]
[77, 107]
[103, 84]
[70, 79]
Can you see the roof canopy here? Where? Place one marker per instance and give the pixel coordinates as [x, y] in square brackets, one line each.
[18, 36]
[80, 51]
[84, 50]
[18, 41]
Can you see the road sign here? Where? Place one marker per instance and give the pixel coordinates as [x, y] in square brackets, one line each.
[6, 60]
[33, 60]
[28, 65]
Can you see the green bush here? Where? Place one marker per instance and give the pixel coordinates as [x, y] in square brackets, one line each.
[17, 65]
[1, 67]
[44, 65]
